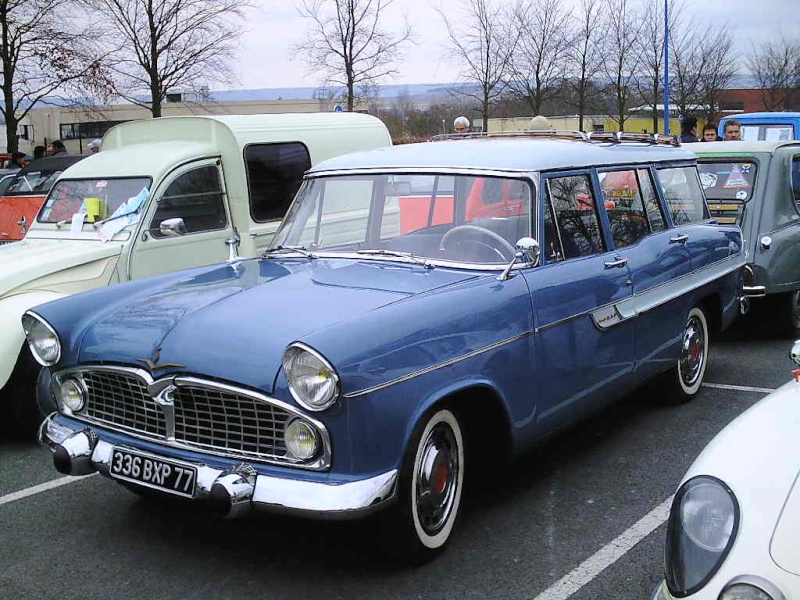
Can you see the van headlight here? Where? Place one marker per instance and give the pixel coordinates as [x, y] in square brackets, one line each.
[312, 380]
[703, 523]
[42, 339]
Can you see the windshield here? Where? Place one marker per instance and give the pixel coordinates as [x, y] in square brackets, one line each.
[728, 180]
[32, 182]
[459, 218]
[777, 132]
[98, 198]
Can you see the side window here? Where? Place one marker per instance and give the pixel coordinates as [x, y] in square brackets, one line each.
[274, 174]
[796, 180]
[624, 205]
[684, 196]
[650, 199]
[572, 228]
[196, 197]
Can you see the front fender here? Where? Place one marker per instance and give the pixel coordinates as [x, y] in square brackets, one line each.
[11, 310]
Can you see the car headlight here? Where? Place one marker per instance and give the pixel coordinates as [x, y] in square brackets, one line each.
[42, 339]
[301, 440]
[70, 395]
[703, 523]
[312, 380]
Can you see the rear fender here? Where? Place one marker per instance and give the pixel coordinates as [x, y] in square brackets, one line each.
[11, 310]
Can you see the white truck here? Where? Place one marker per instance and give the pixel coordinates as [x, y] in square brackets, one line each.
[162, 195]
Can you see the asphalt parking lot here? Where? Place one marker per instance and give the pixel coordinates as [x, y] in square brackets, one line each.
[580, 518]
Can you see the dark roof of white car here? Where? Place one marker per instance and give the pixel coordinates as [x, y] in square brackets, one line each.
[517, 153]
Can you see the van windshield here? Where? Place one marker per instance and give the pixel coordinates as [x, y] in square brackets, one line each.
[98, 198]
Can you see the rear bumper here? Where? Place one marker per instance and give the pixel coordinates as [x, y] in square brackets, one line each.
[82, 451]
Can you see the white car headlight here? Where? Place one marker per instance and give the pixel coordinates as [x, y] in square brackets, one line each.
[312, 380]
[702, 526]
[42, 339]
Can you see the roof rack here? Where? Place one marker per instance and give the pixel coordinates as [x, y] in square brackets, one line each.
[613, 137]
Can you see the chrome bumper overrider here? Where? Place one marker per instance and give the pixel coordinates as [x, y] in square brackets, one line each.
[80, 451]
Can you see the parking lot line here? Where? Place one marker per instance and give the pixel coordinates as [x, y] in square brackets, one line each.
[739, 388]
[607, 555]
[42, 487]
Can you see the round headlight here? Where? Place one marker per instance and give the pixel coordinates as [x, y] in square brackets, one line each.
[42, 339]
[71, 395]
[312, 381]
[702, 527]
[744, 591]
[301, 439]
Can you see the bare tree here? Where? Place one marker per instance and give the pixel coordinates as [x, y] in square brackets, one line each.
[157, 46]
[538, 65]
[622, 55]
[44, 52]
[776, 67]
[347, 46]
[482, 44]
[717, 67]
[584, 56]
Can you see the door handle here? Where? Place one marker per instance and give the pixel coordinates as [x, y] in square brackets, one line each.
[679, 239]
[617, 263]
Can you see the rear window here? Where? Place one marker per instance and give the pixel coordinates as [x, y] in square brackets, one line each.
[684, 196]
[777, 132]
[274, 174]
[728, 180]
[33, 182]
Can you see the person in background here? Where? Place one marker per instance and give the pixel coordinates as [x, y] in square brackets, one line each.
[39, 152]
[710, 133]
[689, 130]
[17, 161]
[94, 146]
[733, 130]
[56, 147]
[461, 124]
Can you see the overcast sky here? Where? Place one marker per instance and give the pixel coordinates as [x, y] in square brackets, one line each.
[265, 60]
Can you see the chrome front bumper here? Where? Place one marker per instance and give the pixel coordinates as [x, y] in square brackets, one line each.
[81, 451]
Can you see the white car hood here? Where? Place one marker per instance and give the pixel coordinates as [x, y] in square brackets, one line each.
[29, 259]
[758, 456]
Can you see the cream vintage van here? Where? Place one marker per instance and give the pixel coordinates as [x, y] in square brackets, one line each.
[162, 195]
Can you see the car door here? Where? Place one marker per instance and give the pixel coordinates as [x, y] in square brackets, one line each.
[657, 258]
[584, 345]
[193, 194]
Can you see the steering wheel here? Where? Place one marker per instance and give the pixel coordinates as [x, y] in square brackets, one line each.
[480, 236]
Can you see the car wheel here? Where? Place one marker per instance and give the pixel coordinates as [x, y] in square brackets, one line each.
[430, 488]
[28, 414]
[790, 323]
[685, 379]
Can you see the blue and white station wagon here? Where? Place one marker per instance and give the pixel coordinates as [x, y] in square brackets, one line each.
[423, 310]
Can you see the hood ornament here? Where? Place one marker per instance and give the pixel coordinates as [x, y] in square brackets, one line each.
[152, 364]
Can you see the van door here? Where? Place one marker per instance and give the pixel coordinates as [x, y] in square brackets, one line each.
[581, 336]
[186, 225]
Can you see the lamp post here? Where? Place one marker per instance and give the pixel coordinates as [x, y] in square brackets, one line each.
[666, 67]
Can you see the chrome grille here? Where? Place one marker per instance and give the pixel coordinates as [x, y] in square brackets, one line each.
[206, 415]
[218, 419]
[123, 400]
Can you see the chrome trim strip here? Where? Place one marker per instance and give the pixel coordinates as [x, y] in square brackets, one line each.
[427, 170]
[164, 383]
[322, 500]
[755, 291]
[652, 298]
[438, 366]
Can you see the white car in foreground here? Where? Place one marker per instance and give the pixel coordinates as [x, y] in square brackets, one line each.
[734, 527]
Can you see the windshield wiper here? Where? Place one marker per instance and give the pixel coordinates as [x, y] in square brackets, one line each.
[398, 254]
[288, 249]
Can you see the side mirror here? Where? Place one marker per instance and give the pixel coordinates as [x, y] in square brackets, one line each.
[527, 251]
[529, 248]
[172, 227]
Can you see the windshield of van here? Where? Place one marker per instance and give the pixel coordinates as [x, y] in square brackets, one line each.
[728, 179]
[98, 198]
[459, 218]
[775, 133]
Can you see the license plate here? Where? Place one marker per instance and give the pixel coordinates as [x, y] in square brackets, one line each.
[153, 472]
